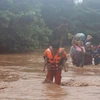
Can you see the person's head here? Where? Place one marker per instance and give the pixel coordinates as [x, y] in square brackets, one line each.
[89, 37]
[88, 44]
[80, 43]
[55, 45]
[74, 42]
[94, 47]
[50, 47]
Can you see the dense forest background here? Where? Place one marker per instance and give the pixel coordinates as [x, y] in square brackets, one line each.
[31, 24]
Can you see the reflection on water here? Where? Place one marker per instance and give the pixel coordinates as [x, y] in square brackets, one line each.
[54, 92]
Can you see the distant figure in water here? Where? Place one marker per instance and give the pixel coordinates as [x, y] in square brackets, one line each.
[96, 55]
[73, 52]
[80, 51]
[77, 52]
[89, 39]
[88, 54]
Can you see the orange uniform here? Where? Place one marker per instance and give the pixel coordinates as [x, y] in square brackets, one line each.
[54, 64]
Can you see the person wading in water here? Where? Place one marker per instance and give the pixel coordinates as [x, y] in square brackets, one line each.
[55, 60]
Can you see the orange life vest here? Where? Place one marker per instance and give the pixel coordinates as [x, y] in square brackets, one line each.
[54, 61]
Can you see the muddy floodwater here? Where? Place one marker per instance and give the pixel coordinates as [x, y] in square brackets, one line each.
[21, 78]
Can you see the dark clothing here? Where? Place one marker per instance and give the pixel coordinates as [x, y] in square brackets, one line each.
[87, 59]
[88, 56]
[80, 59]
[96, 56]
[88, 41]
[99, 51]
[74, 59]
[97, 61]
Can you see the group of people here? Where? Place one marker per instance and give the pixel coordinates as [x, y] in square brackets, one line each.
[84, 53]
[55, 57]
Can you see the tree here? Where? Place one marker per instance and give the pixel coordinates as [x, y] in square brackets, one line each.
[57, 13]
[87, 19]
[21, 27]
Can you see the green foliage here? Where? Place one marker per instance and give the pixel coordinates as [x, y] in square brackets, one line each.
[87, 18]
[70, 36]
[57, 15]
[21, 26]
[65, 17]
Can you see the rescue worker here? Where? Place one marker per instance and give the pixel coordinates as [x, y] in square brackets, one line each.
[55, 59]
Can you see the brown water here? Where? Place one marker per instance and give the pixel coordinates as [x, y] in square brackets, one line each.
[21, 78]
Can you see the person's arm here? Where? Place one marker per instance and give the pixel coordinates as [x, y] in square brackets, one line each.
[64, 61]
[45, 60]
[65, 65]
[45, 64]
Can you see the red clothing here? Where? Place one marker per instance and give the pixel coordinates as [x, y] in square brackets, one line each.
[56, 74]
[54, 62]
